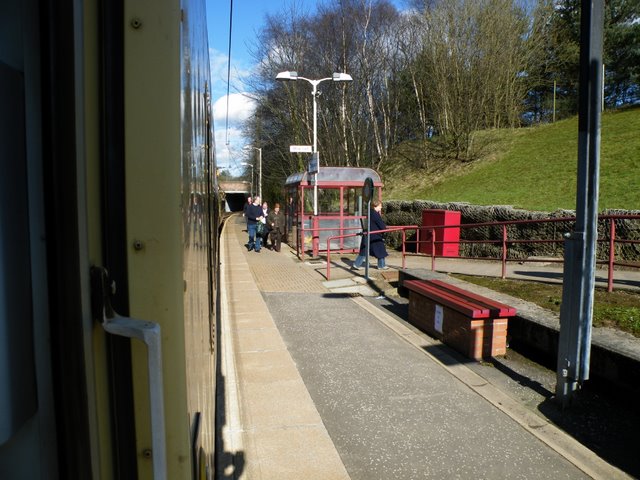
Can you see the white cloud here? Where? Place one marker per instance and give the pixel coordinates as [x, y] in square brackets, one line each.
[240, 107]
[218, 64]
[229, 117]
[229, 134]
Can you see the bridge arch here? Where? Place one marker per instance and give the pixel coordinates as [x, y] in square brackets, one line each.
[235, 194]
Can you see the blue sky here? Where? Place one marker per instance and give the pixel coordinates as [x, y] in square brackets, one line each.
[248, 18]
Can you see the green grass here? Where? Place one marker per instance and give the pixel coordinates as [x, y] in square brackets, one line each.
[618, 309]
[533, 168]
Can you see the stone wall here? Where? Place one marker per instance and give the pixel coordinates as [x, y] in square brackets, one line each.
[410, 213]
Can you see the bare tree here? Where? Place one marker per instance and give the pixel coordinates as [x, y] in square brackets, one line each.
[475, 56]
[450, 67]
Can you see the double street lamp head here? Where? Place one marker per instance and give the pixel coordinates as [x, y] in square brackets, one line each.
[336, 77]
[342, 77]
[287, 76]
[290, 76]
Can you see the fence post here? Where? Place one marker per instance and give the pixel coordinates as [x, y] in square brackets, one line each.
[433, 249]
[612, 253]
[404, 239]
[504, 251]
[329, 257]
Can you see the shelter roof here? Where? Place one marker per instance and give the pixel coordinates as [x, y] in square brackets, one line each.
[348, 176]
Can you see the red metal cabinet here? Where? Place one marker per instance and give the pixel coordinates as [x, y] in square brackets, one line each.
[447, 239]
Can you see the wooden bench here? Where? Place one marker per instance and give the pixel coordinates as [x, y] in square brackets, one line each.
[472, 324]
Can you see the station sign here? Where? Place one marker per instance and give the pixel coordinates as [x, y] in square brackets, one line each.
[314, 163]
[300, 148]
[367, 189]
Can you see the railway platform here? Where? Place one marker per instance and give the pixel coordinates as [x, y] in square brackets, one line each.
[325, 380]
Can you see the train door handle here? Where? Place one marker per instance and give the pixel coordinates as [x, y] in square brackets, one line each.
[149, 333]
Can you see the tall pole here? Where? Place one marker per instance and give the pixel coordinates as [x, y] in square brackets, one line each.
[260, 172]
[574, 343]
[554, 101]
[314, 93]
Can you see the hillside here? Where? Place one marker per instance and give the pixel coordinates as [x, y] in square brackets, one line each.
[532, 168]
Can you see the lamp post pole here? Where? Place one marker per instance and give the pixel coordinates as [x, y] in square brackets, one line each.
[260, 172]
[314, 93]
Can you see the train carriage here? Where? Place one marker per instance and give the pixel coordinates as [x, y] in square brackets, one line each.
[108, 241]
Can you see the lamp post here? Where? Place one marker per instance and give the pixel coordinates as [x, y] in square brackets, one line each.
[249, 147]
[249, 165]
[336, 77]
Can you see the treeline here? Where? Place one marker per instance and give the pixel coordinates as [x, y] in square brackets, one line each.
[434, 75]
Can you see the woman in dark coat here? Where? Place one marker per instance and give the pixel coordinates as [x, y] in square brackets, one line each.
[376, 240]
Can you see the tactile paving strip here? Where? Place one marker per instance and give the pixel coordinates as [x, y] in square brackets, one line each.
[280, 271]
[286, 277]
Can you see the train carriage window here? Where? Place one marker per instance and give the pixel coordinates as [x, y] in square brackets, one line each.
[17, 362]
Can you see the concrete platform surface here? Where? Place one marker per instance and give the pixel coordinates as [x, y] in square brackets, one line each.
[318, 382]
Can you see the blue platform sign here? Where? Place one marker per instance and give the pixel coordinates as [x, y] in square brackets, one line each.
[314, 163]
[367, 189]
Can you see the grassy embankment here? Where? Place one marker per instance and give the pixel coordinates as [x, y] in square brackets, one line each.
[535, 169]
[531, 168]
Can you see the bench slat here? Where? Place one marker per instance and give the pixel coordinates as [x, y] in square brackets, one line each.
[500, 309]
[461, 304]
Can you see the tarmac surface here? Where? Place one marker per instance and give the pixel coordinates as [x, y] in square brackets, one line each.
[325, 380]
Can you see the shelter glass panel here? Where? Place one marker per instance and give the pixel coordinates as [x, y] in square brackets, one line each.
[331, 227]
[308, 200]
[329, 200]
[352, 201]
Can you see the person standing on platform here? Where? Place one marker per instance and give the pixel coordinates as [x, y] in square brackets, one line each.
[244, 210]
[275, 221]
[376, 240]
[254, 216]
[265, 229]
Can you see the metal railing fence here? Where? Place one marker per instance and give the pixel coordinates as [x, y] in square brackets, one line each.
[608, 242]
[401, 229]
[606, 250]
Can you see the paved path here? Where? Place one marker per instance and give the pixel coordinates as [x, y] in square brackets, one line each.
[271, 429]
[548, 272]
[323, 385]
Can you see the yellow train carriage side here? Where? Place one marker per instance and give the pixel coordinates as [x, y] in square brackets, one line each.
[107, 146]
[165, 112]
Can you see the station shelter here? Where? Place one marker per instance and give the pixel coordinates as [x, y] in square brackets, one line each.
[341, 208]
